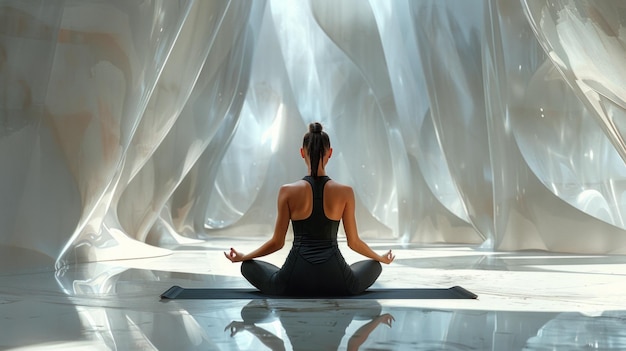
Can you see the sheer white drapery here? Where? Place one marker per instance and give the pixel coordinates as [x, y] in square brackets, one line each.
[125, 125]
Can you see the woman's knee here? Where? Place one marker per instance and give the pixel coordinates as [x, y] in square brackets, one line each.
[367, 267]
[254, 270]
[376, 268]
[247, 267]
[261, 275]
[251, 268]
[366, 272]
[376, 265]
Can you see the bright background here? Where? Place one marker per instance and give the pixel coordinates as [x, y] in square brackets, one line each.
[128, 126]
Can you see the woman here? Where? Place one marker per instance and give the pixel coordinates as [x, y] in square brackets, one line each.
[315, 205]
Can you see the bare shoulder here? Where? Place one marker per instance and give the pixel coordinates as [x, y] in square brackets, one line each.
[344, 190]
[294, 187]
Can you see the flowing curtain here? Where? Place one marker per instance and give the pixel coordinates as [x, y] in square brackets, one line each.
[129, 126]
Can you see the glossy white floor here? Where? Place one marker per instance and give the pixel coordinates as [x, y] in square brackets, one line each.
[527, 301]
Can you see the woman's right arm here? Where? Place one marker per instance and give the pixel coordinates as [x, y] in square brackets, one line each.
[277, 241]
[352, 235]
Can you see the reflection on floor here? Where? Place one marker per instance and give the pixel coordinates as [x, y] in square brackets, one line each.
[527, 301]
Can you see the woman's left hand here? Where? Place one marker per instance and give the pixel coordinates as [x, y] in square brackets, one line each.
[234, 255]
[387, 257]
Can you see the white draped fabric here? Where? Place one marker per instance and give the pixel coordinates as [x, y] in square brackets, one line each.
[126, 126]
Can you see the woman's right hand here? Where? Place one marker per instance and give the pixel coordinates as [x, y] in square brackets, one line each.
[387, 257]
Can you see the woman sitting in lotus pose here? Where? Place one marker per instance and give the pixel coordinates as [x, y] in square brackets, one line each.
[315, 205]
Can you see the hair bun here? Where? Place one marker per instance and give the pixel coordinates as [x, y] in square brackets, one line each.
[315, 127]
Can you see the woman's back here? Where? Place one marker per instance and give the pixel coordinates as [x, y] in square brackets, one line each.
[315, 265]
[316, 230]
[300, 199]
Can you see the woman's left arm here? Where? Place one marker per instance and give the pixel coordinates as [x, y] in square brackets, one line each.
[277, 241]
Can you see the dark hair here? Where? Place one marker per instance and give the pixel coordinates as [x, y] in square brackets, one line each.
[315, 142]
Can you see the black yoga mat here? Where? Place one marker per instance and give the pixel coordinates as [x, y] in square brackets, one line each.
[455, 292]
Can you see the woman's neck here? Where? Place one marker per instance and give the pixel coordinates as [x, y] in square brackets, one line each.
[321, 172]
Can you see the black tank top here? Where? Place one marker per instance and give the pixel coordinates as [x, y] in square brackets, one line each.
[316, 237]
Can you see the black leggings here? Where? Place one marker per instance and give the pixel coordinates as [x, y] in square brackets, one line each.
[299, 277]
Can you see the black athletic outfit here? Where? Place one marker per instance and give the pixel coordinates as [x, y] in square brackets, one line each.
[314, 266]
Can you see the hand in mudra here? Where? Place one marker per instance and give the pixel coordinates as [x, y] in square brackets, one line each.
[233, 255]
[387, 257]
